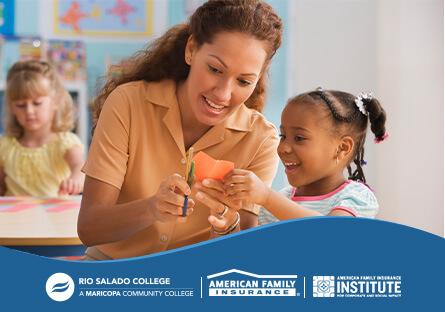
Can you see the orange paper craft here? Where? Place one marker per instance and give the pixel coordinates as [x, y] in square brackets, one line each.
[207, 167]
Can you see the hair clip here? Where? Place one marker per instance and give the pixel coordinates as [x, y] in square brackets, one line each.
[382, 138]
[319, 89]
[363, 162]
[359, 102]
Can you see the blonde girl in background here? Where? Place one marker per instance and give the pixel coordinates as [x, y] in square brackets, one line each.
[39, 156]
[322, 134]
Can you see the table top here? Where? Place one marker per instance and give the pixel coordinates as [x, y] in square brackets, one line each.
[30, 221]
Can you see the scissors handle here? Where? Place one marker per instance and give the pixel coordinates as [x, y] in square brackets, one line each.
[185, 206]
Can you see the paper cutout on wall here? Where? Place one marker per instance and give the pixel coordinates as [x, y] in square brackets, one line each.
[103, 17]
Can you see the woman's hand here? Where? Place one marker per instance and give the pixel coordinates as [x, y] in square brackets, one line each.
[245, 185]
[73, 185]
[166, 204]
[223, 210]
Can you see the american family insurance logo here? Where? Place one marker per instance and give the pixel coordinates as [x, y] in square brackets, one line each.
[240, 283]
[60, 287]
[357, 286]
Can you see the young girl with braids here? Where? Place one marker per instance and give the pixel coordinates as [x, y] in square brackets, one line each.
[322, 133]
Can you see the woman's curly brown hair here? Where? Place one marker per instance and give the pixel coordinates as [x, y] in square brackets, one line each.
[164, 58]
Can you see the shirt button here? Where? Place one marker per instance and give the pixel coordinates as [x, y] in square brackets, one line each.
[183, 161]
[163, 238]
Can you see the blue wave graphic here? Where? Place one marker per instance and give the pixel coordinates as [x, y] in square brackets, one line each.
[307, 248]
[60, 287]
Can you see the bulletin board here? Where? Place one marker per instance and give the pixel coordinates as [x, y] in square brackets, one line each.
[129, 19]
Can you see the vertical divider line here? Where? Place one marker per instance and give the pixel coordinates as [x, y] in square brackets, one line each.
[304, 285]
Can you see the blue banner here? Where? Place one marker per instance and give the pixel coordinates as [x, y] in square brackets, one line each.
[7, 17]
[316, 264]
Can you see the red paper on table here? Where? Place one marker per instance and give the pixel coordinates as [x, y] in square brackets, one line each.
[207, 167]
[62, 207]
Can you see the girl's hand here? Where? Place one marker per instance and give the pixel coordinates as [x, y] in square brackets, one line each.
[166, 205]
[223, 210]
[73, 185]
[245, 185]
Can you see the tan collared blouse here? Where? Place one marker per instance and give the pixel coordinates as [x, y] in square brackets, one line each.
[138, 142]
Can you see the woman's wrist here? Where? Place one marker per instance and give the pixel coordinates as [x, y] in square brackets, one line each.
[232, 228]
[151, 210]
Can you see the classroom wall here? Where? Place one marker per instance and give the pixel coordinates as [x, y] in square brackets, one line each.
[410, 77]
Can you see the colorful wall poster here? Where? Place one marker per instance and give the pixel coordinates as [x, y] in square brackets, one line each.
[69, 57]
[30, 48]
[103, 17]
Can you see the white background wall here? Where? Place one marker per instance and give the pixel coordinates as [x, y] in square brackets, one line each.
[394, 48]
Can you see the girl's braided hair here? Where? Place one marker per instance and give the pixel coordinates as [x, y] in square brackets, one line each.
[349, 120]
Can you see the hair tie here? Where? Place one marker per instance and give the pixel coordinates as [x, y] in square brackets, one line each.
[363, 162]
[382, 138]
[359, 102]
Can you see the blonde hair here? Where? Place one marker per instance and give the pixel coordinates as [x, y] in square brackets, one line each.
[24, 81]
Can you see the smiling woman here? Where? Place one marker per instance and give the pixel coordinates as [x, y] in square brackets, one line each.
[201, 85]
[222, 77]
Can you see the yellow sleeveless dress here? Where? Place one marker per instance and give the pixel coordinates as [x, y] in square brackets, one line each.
[36, 171]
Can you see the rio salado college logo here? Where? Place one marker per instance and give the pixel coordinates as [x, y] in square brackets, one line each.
[60, 287]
